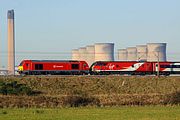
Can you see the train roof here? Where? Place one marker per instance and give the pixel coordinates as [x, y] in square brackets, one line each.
[53, 60]
[141, 61]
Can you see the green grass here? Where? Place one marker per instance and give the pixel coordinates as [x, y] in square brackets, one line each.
[85, 113]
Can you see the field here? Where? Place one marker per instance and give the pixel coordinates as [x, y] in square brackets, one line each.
[89, 98]
[110, 113]
[100, 91]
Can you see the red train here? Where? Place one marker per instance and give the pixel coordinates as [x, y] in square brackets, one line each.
[56, 67]
[135, 68]
[53, 67]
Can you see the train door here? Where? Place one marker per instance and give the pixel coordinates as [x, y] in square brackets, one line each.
[28, 66]
[157, 67]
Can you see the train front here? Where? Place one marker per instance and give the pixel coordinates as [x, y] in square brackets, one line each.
[20, 68]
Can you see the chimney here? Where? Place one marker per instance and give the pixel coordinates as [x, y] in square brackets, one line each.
[11, 43]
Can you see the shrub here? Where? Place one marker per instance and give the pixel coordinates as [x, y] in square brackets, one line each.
[173, 98]
[13, 88]
[76, 101]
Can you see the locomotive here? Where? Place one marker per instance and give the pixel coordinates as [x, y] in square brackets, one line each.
[53, 67]
[69, 67]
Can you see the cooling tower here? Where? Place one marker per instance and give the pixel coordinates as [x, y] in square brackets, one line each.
[104, 52]
[141, 52]
[82, 53]
[156, 51]
[131, 53]
[90, 54]
[11, 43]
[75, 54]
[122, 54]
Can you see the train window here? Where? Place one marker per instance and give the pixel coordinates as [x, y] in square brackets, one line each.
[21, 63]
[165, 66]
[75, 66]
[38, 66]
[117, 66]
[27, 64]
[170, 66]
[101, 64]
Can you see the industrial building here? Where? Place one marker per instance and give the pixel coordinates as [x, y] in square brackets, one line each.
[141, 52]
[90, 49]
[11, 43]
[82, 53]
[122, 54]
[96, 52]
[131, 54]
[75, 54]
[104, 51]
[156, 51]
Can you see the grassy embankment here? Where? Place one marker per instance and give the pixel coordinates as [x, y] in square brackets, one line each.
[61, 91]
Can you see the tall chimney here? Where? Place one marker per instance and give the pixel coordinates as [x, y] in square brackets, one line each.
[11, 41]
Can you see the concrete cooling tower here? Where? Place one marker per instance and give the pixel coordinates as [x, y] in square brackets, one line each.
[104, 52]
[141, 52]
[122, 54]
[11, 43]
[131, 54]
[90, 49]
[156, 51]
[82, 54]
[75, 54]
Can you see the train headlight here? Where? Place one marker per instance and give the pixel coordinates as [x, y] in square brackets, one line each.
[20, 68]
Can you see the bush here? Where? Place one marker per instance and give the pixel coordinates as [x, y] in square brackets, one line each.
[77, 101]
[13, 88]
[173, 98]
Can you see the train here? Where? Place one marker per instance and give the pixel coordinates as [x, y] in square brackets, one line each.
[75, 67]
[53, 67]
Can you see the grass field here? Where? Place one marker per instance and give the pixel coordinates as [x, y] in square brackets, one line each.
[66, 91]
[85, 113]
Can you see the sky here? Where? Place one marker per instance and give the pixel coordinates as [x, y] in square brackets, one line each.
[50, 29]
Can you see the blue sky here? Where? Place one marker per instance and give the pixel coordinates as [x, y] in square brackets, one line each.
[50, 26]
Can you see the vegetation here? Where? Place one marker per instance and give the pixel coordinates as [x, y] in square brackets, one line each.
[13, 88]
[75, 91]
[105, 113]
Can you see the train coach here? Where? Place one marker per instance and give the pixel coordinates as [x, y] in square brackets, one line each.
[134, 68]
[53, 67]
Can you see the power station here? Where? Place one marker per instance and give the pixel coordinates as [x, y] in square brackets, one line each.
[105, 52]
[92, 53]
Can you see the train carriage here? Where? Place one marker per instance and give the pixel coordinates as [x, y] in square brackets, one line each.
[166, 68]
[135, 68]
[121, 67]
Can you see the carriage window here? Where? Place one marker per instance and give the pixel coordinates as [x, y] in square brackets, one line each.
[27, 64]
[170, 66]
[101, 64]
[75, 66]
[38, 66]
